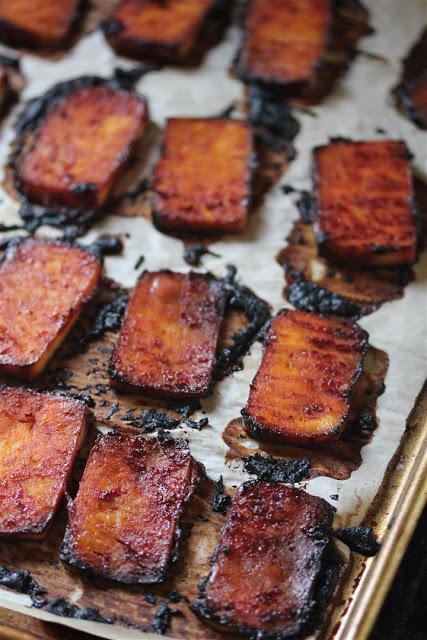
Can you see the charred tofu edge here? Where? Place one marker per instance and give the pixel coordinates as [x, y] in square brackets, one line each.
[122, 383]
[244, 73]
[34, 368]
[33, 117]
[144, 47]
[16, 36]
[320, 235]
[170, 222]
[324, 586]
[66, 551]
[41, 531]
[256, 429]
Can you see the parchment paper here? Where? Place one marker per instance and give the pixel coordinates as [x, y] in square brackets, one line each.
[359, 105]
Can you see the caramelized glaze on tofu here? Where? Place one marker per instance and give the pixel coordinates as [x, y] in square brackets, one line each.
[302, 390]
[168, 342]
[364, 203]
[78, 149]
[283, 40]
[203, 178]
[125, 520]
[43, 288]
[267, 567]
[40, 435]
[37, 23]
[153, 29]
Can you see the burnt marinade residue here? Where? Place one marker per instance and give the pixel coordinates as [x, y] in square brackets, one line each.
[163, 617]
[359, 539]
[309, 296]
[271, 112]
[221, 500]
[197, 425]
[73, 221]
[106, 245]
[257, 312]
[60, 607]
[269, 469]
[108, 317]
[21, 581]
[151, 420]
[193, 252]
[129, 77]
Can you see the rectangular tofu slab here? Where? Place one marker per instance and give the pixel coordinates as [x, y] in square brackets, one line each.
[40, 435]
[283, 41]
[168, 341]
[153, 29]
[124, 523]
[43, 288]
[302, 390]
[364, 203]
[37, 23]
[267, 567]
[81, 144]
[203, 178]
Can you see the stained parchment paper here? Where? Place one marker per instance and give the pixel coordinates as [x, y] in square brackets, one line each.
[360, 104]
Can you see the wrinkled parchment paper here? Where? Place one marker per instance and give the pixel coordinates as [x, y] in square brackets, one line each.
[359, 105]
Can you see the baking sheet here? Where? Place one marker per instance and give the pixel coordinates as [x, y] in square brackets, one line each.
[360, 104]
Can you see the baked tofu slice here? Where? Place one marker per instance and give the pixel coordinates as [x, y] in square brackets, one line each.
[37, 23]
[283, 41]
[203, 178]
[152, 29]
[168, 342]
[267, 568]
[364, 203]
[302, 391]
[43, 288]
[80, 143]
[40, 435]
[124, 523]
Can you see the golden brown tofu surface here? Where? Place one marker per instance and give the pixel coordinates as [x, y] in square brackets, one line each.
[283, 40]
[168, 341]
[267, 568]
[164, 30]
[40, 435]
[203, 178]
[81, 145]
[43, 288]
[364, 203]
[124, 521]
[37, 23]
[302, 390]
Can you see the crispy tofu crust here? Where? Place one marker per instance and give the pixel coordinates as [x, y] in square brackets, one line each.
[364, 203]
[267, 567]
[37, 23]
[162, 30]
[40, 435]
[43, 288]
[168, 341]
[75, 140]
[203, 179]
[283, 41]
[411, 93]
[124, 523]
[302, 390]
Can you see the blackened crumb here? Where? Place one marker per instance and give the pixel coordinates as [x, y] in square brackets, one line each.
[139, 262]
[286, 188]
[194, 251]
[174, 596]
[61, 607]
[221, 500]
[306, 207]
[106, 245]
[270, 469]
[164, 436]
[162, 619]
[150, 597]
[381, 388]
[129, 77]
[185, 409]
[309, 296]
[22, 582]
[365, 422]
[151, 420]
[198, 425]
[359, 539]
[108, 317]
[226, 113]
[380, 131]
[334, 496]
[113, 410]
[10, 227]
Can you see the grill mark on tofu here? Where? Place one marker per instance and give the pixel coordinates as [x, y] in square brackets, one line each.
[303, 387]
[203, 178]
[161, 30]
[124, 523]
[73, 142]
[284, 41]
[40, 435]
[268, 565]
[37, 23]
[43, 288]
[364, 203]
[168, 342]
